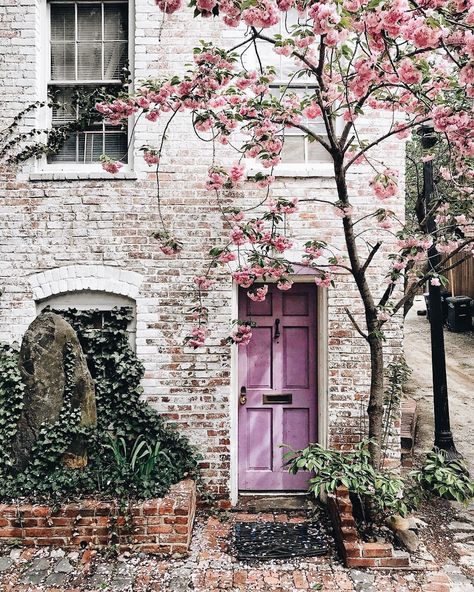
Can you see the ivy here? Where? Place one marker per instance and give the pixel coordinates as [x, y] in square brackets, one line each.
[121, 414]
[12, 391]
[17, 147]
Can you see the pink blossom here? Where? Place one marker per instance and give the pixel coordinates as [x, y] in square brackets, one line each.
[323, 281]
[312, 111]
[258, 294]
[241, 335]
[203, 283]
[384, 184]
[237, 236]
[383, 315]
[226, 257]
[153, 115]
[243, 278]
[343, 212]
[197, 337]
[284, 206]
[281, 243]
[111, 166]
[151, 157]
[284, 284]
[236, 172]
[168, 6]
[435, 281]
[285, 49]
[325, 17]
[216, 179]
[264, 15]
[408, 73]
[403, 132]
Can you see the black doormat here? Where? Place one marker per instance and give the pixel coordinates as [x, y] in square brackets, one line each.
[276, 540]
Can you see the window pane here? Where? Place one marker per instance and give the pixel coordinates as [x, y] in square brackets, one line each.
[89, 61]
[67, 152]
[316, 153]
[293, 149]
[62, 61]
[115, 58]
[64, 110]
[116, 21]
[62, 22]
[116, 145]
[89, 22]
[91, 145]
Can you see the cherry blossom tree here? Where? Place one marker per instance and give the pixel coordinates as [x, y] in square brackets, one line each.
[411, 59]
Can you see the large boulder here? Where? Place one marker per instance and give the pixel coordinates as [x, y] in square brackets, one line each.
[47, 345]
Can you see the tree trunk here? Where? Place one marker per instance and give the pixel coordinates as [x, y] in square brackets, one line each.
[376, 398]
[359, 272]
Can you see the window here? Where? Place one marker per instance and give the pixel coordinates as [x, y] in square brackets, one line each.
[89, 52]
[297, 148]
[99, 302]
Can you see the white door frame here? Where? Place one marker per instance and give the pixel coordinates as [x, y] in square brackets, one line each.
[322, 379]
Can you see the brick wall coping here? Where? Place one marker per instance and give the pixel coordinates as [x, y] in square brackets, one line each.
[354, 552]
[159, 526]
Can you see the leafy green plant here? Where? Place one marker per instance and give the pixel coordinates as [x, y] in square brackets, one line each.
[381, 492]
[165, 458]
[140, 459]
[11, 401]
[448, 479]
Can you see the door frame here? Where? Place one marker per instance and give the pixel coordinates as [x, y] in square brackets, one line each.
[321, 379]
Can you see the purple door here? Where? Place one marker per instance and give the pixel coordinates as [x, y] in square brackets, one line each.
[277, 375]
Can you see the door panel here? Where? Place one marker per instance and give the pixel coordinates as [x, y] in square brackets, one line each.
[260, 449]
[259, 365]
[280, 360]
[295, 357]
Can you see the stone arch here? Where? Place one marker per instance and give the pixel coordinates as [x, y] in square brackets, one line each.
[74, 278]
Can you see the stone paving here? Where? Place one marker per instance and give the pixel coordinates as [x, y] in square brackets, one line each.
[211, 567]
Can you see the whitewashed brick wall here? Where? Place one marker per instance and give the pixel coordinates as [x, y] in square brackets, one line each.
[95, 233]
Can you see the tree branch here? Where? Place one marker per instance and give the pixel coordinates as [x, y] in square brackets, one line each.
[356, 325]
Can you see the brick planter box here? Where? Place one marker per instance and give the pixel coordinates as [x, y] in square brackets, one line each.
[354, 552]
[160, 526]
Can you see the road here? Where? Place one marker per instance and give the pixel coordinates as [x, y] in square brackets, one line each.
[460, 367]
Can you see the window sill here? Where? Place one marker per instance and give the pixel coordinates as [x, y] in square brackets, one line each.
[90, 176]
[296, 171]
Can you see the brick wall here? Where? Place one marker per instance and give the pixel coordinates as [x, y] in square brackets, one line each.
[161, 526]
[354, 551]
[87, 230]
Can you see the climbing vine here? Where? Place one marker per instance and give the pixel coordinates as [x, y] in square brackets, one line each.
[121, 414]
[11, 401]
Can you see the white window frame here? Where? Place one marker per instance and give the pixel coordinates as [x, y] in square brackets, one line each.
[297, 169]
[289, 87]
[44, 82]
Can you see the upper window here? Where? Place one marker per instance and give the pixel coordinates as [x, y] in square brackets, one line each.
[297, 148]
[89, 55]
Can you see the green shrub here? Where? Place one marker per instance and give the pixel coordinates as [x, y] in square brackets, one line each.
[448, 479]
[380, 491]
[164, 457]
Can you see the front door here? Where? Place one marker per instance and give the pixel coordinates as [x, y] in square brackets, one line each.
[277, 386]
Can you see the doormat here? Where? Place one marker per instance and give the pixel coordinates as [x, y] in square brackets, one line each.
[276, 540]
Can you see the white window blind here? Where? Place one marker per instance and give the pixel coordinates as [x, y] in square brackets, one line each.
[89, 48]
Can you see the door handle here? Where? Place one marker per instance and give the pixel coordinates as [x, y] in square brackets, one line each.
[243, 396]
[277, 329]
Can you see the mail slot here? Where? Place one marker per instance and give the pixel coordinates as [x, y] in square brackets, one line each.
[277, 399]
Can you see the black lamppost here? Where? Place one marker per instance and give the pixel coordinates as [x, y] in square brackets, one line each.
[443, 435]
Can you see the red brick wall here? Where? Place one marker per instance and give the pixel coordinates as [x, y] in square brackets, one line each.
[161, 526]
[355, 552]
